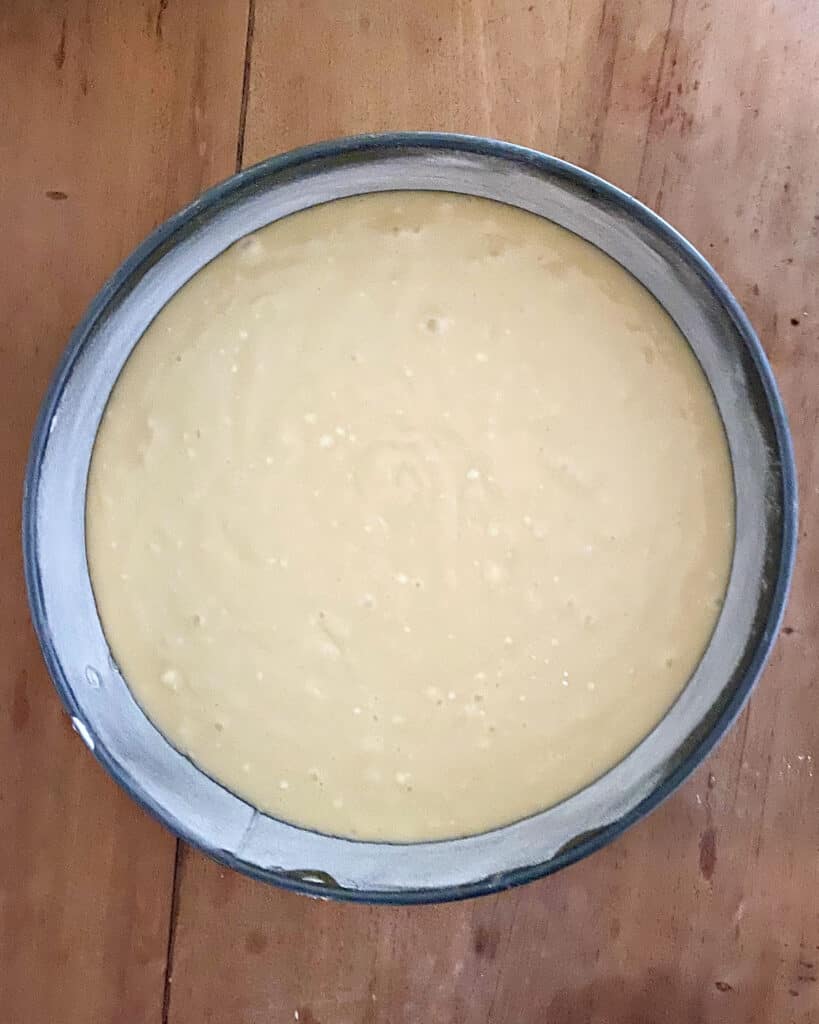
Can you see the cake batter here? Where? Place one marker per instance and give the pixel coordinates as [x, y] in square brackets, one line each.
[410, 515]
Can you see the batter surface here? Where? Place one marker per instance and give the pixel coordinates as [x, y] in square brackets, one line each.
[409, 516]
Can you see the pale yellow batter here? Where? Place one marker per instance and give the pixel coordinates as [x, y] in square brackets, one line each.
[409, 516]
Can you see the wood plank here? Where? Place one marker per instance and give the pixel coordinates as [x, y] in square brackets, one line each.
[707, 911]
[112, 114]
[577, 79]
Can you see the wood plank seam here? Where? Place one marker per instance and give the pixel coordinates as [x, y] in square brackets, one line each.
[172, 916]
[180, 850]
[240, 141]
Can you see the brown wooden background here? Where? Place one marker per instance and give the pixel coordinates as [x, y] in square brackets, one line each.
[113, 113]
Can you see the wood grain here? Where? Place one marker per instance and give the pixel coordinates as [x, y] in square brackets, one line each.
[577, 79]
[706, 912]
[112, 114]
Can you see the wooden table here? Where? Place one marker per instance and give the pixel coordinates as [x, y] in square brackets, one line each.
[113, 113]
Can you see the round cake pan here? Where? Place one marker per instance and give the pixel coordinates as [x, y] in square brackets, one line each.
[169, 785]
